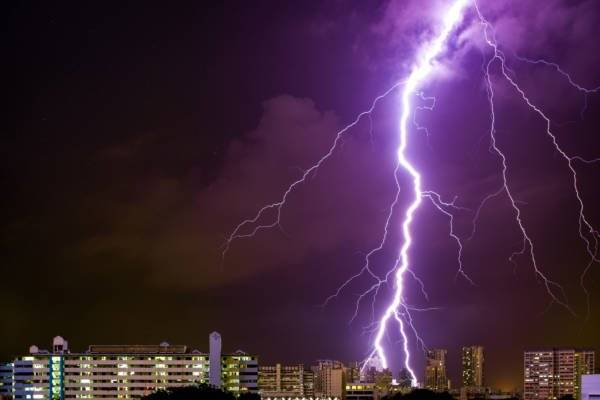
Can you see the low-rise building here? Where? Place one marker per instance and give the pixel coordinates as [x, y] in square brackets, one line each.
[361, 391]
[123, 371]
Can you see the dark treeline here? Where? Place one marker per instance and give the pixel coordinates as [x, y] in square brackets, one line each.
[425, 394]
[207, 392]
[420, 394]
[198, 392]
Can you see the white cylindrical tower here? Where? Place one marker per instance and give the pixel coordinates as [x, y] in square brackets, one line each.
[214, 372]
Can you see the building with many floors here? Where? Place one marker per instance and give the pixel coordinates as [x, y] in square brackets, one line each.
[309, 383]
[124, 371]
[472, 366]
[6, 372]
[330, 379]
[551, 374]
[285, 381]
[239, 372]
[435, 370]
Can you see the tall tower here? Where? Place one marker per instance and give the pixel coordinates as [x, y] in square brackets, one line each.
[553, 373]
[472, 366]
[214, 372]
[584, 365]
[435, 370]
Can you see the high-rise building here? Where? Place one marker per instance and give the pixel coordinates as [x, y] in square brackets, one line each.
[239, 372]
[584, 365]
[551, 374]
[374, 362]
[281, 380]
[123, 371]
[6, 375]
[472, 366]
[353, 372]
[330, 379]
[214, 343]
[309, 383]
[435, 370]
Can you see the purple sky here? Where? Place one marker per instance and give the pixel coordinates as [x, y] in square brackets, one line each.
[144, 135]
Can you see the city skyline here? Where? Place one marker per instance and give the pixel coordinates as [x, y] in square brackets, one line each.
[143, 136]
[284, 378]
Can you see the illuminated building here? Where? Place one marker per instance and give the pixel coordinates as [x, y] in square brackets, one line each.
[6, 374]
[353, 372]
[124, 371]
[309, 383]
[551, 374]
[285, 381]
[435, 370]
[374, 363]
[329, 379]
[239, 372]
[373, 372]
[584, 365]
[590, 387]
[472, 366]
[361, 391]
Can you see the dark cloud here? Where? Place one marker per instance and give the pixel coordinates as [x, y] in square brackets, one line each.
[122, 187]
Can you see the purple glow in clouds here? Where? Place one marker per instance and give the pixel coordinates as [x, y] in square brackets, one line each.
[427, 59]
[420, 72]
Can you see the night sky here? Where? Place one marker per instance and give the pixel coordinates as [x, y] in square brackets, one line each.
[138, 136]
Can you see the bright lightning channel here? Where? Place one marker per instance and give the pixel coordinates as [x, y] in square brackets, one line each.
[426, 62]
[430, 51]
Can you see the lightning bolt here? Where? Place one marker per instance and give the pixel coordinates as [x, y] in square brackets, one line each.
[423, 68]
[397, 308]
[586, 91]
[253, 222]
[588, 234]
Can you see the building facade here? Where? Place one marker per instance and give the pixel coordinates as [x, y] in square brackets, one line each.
[6, 376]
[118, 372]
[551, 374]
[353, 372]
[585, 364]
[472, 366]
[285, 381]
[239, 372]
[309, 383]
[330, 379]
[435, 370]
[361, 391]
